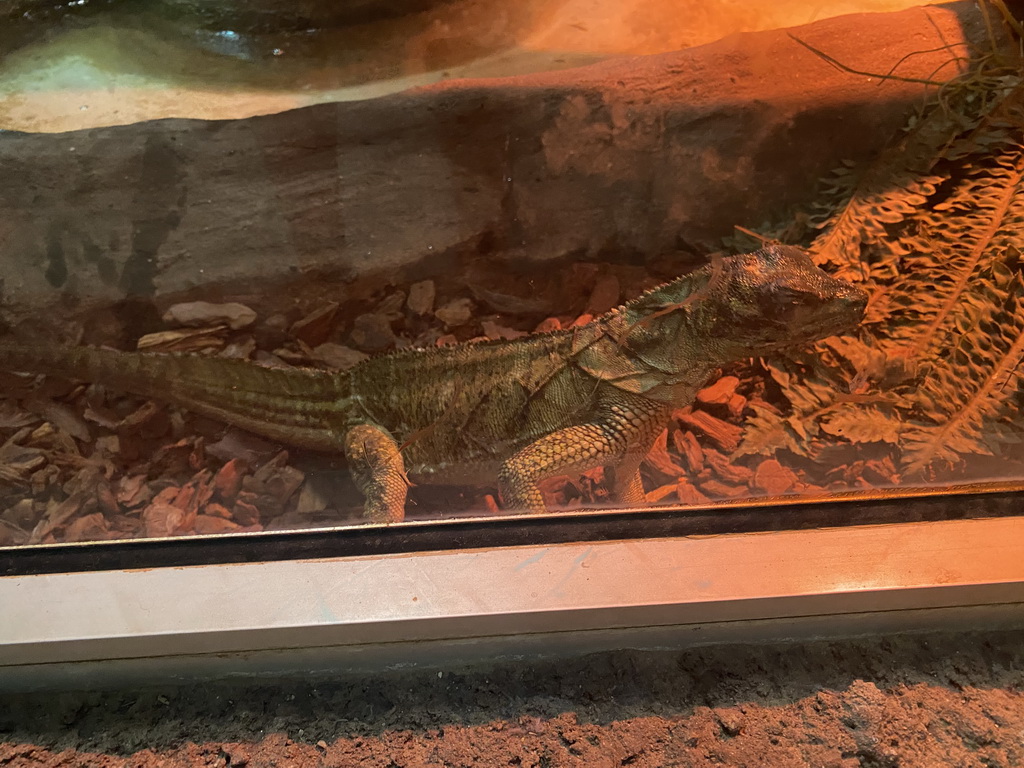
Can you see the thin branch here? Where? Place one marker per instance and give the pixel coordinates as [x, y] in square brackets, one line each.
[844, 68]
[1008, 18]
[755, 235]
[947, 47]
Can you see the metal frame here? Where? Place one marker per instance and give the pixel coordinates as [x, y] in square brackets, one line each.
[393, 606]
[721, 517]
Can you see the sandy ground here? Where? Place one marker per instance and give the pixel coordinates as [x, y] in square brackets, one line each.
[123, 68]
[915, 701]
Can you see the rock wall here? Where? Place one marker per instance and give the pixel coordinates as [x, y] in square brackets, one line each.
[630, 156]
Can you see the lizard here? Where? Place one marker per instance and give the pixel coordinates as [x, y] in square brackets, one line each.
[516, 411]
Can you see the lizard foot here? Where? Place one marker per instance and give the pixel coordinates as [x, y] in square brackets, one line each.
[378, 471]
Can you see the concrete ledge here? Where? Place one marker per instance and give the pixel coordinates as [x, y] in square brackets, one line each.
[404, 600]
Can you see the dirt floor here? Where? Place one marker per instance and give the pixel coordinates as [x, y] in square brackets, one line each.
[913, 701]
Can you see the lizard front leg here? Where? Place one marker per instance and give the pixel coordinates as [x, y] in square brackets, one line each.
[624, 479]
[621, 436]
[378, 471]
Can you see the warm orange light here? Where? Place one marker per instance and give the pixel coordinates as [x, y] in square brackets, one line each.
[94, 76]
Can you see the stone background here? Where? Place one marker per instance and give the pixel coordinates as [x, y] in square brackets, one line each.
[624, 159]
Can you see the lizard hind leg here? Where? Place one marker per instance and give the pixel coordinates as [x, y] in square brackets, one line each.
[378, 471]
[620, 440]
[573, 449]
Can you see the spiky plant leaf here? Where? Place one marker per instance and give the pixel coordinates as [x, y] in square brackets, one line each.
[767, 432]
[860, 424]
[934, 230]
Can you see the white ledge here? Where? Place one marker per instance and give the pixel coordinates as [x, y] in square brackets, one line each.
[515, 591]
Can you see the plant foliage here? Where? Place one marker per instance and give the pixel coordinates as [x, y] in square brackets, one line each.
[934, 229]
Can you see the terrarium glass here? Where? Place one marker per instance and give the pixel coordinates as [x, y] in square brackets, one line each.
[339, 265]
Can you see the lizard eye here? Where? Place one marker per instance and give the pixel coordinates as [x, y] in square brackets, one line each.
[786, 295]
[787, 305]
[778, 300]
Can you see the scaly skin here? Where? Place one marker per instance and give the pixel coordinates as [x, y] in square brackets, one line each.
[516, 411]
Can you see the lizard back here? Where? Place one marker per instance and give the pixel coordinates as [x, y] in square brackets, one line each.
[458, 411]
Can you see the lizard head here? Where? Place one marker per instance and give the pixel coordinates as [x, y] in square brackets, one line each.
[777, 296]
[740, 306]
[666, 342]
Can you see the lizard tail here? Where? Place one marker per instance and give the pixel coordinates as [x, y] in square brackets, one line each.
[302, 407]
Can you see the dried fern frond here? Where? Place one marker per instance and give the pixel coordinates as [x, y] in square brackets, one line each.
[972, 379]
[934, 229]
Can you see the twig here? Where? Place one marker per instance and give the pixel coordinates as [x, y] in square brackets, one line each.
[755, 235]
[843, 67]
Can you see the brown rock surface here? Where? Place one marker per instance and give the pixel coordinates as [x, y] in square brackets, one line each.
[633, 154]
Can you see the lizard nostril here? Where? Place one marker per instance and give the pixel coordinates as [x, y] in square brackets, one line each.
[856, 298]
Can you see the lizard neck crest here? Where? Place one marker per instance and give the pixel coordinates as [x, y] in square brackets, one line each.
[749, 303]
[733, 308]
